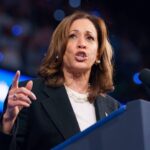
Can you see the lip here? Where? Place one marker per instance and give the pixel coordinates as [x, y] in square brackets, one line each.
[81, 56]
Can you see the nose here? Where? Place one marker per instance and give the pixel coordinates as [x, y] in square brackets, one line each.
[81, 43]
[81, 46]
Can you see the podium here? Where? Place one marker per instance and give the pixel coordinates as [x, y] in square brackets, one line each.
[128, 128]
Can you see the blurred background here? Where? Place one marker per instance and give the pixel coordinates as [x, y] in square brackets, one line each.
[26, 27]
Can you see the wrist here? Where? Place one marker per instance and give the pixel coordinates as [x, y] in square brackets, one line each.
[7, 124]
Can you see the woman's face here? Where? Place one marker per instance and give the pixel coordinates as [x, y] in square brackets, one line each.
[82, 46]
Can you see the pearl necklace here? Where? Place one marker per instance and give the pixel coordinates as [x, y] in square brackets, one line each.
[76, 96]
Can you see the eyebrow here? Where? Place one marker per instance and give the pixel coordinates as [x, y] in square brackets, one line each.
[78, 31]
[74, 31]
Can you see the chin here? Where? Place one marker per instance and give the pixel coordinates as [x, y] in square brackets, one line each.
[80, 69]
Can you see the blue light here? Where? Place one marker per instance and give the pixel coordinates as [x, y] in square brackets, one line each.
[74, 3]
[136, 79]
[17, 30]
[59, 14]
[1, 56]
[6, 78]
[96, 13]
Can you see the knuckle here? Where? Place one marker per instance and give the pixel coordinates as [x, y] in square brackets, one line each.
[9, 96]
[10, 92]
[21, 88]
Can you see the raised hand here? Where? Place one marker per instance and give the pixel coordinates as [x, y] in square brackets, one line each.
[18, 97]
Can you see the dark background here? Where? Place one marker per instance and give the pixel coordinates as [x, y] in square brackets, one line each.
[26, 27]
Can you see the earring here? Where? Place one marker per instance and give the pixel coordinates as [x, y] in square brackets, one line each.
[97, 62]
[57, 56]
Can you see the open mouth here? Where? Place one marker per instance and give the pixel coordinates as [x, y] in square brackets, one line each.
[81, 56]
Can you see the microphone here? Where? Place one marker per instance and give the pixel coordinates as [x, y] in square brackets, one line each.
[144, 76]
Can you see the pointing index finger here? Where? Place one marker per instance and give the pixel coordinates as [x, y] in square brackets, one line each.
[16, 79]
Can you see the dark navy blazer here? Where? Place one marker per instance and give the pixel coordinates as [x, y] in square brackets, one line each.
[50, 119]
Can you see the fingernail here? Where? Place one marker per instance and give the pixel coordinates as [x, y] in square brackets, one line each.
[28, 105]
[34, 97]
[18, 71]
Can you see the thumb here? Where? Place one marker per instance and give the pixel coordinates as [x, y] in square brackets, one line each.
[29, 85]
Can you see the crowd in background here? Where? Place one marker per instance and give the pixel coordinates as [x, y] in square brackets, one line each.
[26, 27]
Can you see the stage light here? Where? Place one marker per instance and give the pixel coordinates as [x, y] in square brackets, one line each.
[59, 14]
[4, 89]
[136, 79]
[6, 78]
[17, 30]
[1, 56]
[75, 3]
[96, 13]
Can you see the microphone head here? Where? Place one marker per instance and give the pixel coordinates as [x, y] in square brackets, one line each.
[144, 76]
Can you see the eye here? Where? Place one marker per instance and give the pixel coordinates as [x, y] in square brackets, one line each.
[90, 38]
[72, 36]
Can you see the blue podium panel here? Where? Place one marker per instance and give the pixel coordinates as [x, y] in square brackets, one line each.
[87, 138]
[122, 130]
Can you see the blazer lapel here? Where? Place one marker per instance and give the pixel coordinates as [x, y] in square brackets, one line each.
[60, 111]
[104, 105]
[99, 108]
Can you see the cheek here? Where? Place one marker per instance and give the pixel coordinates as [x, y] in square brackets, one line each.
[93, 54]
[68, 54]
[69, 49]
